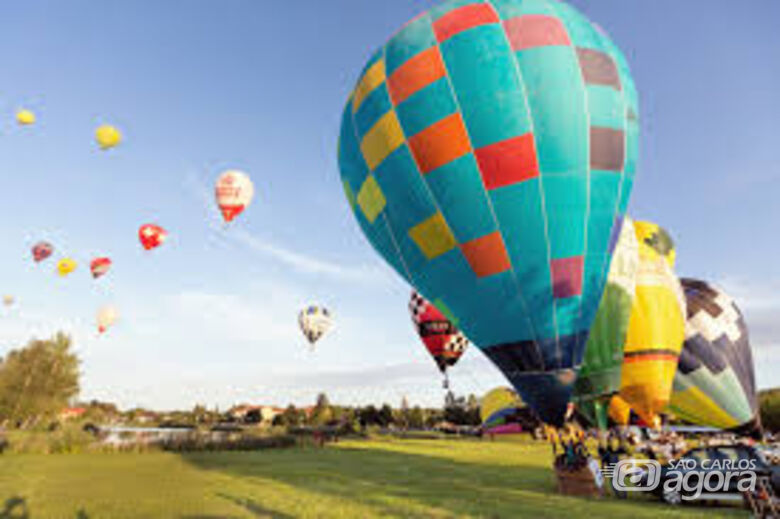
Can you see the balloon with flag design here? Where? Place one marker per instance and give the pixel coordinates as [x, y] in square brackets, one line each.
[234, 192]
[715, 384]
[440, 336]
[151, 236]
[488, 152]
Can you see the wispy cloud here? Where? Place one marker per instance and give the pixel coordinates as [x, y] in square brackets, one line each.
[300, 262]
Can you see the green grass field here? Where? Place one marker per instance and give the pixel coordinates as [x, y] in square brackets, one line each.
[360, 479]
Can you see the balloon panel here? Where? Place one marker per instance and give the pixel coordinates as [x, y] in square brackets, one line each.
[715, 381]
[488, 151]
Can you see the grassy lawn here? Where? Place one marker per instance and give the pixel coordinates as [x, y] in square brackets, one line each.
[360, 479]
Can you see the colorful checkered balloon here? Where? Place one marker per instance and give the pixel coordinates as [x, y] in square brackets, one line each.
[488, 151]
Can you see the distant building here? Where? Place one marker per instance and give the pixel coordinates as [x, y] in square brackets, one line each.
[70, 413]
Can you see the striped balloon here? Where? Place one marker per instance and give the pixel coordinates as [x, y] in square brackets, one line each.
[488, 151]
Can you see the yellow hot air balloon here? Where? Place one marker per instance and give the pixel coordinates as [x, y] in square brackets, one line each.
[25, 117]
[106, 317]
[8, 300]
[65, 266]
[656, 328]
[107, 136]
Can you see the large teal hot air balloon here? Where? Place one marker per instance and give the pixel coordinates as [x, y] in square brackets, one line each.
[488, 151]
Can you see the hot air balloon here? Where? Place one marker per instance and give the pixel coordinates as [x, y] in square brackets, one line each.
[41, 251]
[234, 192]
[599, 376]
[656, 327]
[25, 117]
[151, 236]
[499, 411]
[8, 300]
[107, 137]
[106, 317]
[441, 338]
[715, 382]
[99, 266]
[65, 266]
[488, 152]
[315, 321]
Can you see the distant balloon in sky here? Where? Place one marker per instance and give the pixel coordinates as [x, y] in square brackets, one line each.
[315, 321]
[25, 117]
[107, 136]
[106, 317]
[99, 267]
[65, 266]
[441, 338]
[41, 251]
[8, 300]
[488, 152]
[151, 236]
[234, 192]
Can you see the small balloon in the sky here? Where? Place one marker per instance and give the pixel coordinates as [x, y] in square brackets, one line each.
[106, 317]
[234, 192]
[107, 136]
[8, 300]
[315, 321]
[99, 266]
[41, 251]
[65, 266]
[151, 236]
[25, 117]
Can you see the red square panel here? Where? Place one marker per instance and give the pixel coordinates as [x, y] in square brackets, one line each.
[508, 162]
[462, 19]
[535, 30]
[567, 276]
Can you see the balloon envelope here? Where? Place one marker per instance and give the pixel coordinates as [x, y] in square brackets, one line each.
[106, 317]
[499, 406]
[488, 152]
[41, 251]
[65, 266]
[8, 300]
[234, 192]
[441, 338]
[107, 136]
[656, 327]
[151, 236]
[99, 267]
[715, 383]
[25, 117]
[315, 321]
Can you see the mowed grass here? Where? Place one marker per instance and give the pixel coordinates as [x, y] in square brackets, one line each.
[351, 479]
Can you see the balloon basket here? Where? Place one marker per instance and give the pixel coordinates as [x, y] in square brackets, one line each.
[577, 482]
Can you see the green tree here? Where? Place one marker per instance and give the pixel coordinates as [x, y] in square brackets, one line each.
[38, 381]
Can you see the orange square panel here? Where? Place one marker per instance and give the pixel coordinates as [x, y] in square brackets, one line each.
[487, 255]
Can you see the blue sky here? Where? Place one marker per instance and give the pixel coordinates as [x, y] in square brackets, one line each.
[202, 86]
